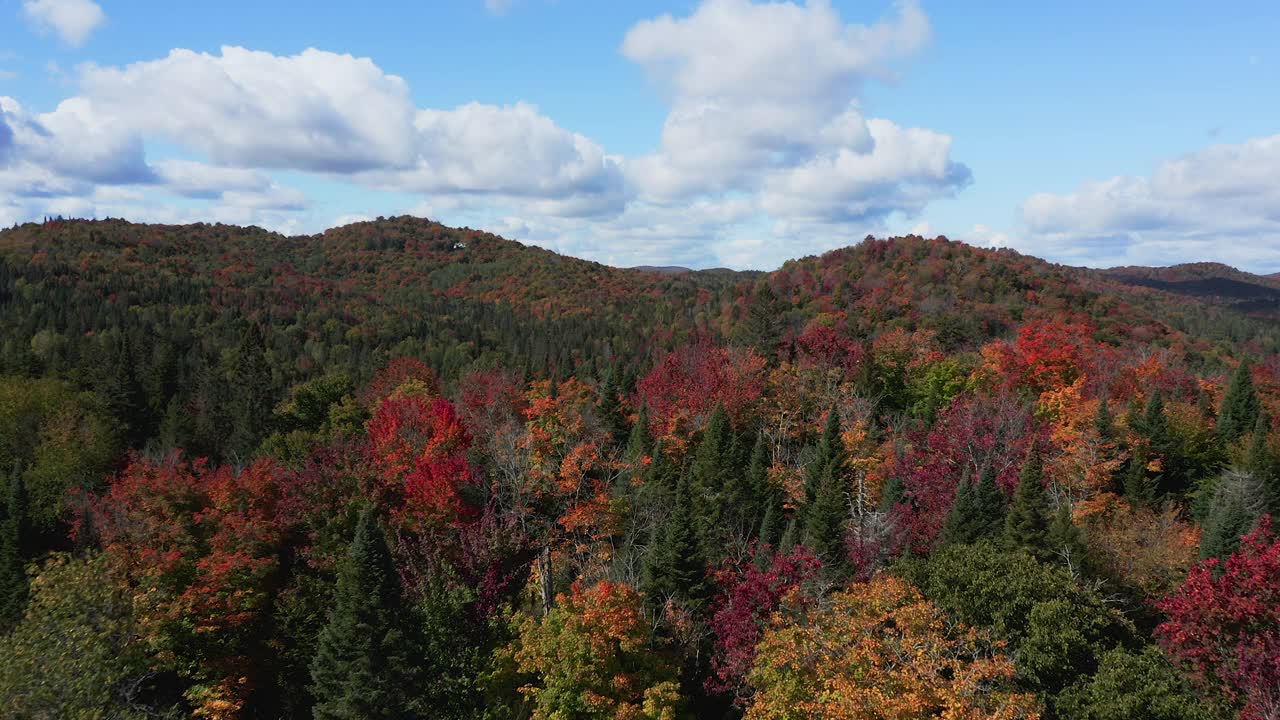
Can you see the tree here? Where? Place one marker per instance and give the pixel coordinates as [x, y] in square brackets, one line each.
[252, 393]
[362, 668]
[978, 511]
[762, 327]
[591, 657]
[880, 651]
[675, 566]
[1027, 524]
[1240, 405]
[830, 458]
[1237, 504]
[1261, 463]
[14, 539]
[1136, 686]
[1224, 624]
[826, 524]
[609, 408]
[81, 651]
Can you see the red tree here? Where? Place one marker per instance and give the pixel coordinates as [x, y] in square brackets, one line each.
[1224, 624]
[419, 446]
[686, 385]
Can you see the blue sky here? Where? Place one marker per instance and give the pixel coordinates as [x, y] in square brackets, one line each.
[721, 132]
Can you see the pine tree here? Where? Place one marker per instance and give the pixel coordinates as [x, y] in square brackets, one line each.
[713, 465]
[252, 398]
[1240, 406]
[361, 666]
[830, 452]
[1261, 463]
[1027, 524]
[675, 566]
[14, 533]
[118, 382]
[1138, 486]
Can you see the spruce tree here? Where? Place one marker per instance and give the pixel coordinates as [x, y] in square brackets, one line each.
[361, 667]
[675, 566]
[609, 410]
[713, 463]
[830, 452]
[762, 327]
[978, 512]
[1261, 463]
[1027, 524]
[1138, 486]
[1240, 406]
[640, 442]
[826, 524]
[14, 534]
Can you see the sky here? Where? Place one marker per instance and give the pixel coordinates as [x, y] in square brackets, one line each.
[711, 133]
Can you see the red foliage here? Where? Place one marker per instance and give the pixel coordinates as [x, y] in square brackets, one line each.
[398, 372]
[689, 382]
[419, 446]
[1226, 629]
[1048, 354]
[749, 595]
[973, 432]
[826, 345]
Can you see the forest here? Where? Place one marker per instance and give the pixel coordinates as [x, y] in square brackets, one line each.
[402, 470]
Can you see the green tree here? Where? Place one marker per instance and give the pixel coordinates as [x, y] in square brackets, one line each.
[1234, 510]
[1240, 406]
[609, 409]
[1027, 524]
[977, 513]
[1066, 541]
[252, 393]
[640, 442]
[675, 566]
[762, 326]
[826, 524]
[1133, 685]
[830, 453]
[362, 668]
[1261, 463]
[14, 539]
[79, 652]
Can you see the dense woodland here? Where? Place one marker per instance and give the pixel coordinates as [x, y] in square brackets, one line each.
[399, 470]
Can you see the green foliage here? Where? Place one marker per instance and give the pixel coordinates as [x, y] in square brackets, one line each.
[1027, 524]
[675, 566]
[80, 652]
[253, 400]
[1240, 405]
[937, 386]
[826, 523]
[1238, 501]
[1136, 686]
[14, 548]
[977, 513]
[1055, 629]
[362, 665]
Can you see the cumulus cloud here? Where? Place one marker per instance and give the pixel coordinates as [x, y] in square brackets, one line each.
[72, 20]
[766, 152]
[764, 97]
[1221, 202]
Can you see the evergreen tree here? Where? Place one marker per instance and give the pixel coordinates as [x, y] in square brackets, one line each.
[14, 534]
[762, 326]
[1027, 524]
[1234, 511]
[1065, 540]
[978, 511]
[118, 382]
[891, 494]
[826, 523]
[252, 398]
[609, 409]
[1261, 463]
[772, 523]
[1240, 406]
[714, 463]
[640, 442]
[1138, 486]
[1103, 423]
[830, 452]
[675, 566]
[361, 667]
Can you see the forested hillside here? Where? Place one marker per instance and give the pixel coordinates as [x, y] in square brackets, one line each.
[401, 470]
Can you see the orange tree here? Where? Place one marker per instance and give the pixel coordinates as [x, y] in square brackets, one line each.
[880, 650]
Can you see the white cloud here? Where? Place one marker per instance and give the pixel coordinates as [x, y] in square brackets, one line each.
[766, 152]
[1220, 203]
[72, 20]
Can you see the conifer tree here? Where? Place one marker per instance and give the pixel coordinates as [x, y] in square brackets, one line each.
[712, 466]
[826, 523]
[1065, 540]
[251, 393]
[978, 511]
[609, 409]
[1234, 510]
[1240, 406]
[830, 452]
[1261, 463]
[1027, 524]
[1137, 484]
[14, 533]
[361, 666]
[640, 442]
[1103, 423]
[675, 566]
[762, 327]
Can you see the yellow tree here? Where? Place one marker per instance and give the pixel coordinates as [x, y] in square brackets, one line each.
[880, 651]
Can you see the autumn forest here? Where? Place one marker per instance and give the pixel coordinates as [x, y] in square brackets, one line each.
[402, 470]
